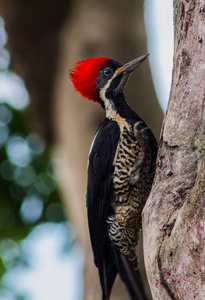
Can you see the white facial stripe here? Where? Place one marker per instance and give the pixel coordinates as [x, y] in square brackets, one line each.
[103, 90]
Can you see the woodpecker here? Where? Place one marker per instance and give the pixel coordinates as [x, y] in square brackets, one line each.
[121, 168]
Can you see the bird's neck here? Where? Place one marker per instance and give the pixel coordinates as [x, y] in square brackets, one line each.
[116, 105]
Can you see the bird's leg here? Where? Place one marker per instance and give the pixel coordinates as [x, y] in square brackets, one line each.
[142, 138]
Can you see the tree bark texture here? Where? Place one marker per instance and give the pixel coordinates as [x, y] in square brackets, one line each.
[173, 218]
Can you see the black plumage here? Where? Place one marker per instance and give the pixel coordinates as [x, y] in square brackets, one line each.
[101, 193]
[99, 188]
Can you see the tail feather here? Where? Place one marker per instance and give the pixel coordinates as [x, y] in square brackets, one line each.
[115, 262]
[127, 268]
[107, 273]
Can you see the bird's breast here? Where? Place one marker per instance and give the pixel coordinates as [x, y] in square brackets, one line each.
[126, 156]
[127, 199]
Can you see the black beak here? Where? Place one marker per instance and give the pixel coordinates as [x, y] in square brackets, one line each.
[132, 65]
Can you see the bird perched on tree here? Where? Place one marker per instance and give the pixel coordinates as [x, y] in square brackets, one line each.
[121, 168]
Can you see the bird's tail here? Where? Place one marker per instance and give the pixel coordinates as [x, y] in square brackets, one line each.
[128, 270]
[107, 273]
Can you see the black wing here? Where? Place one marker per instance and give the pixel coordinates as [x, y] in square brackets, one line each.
[99, 190]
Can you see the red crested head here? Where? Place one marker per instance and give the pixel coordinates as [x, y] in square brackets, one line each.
[84, 74]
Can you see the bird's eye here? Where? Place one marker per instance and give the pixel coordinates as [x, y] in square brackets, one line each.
[107, 72]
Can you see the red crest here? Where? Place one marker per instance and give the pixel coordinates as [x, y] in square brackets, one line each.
[84, 74]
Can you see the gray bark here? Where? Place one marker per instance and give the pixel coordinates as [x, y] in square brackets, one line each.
[173, 218]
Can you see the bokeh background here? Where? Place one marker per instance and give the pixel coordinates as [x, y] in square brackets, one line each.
[46, 130]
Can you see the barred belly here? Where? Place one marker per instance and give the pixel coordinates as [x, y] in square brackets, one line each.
[128, 199]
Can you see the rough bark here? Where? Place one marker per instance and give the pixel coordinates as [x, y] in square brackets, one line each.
[173, 218]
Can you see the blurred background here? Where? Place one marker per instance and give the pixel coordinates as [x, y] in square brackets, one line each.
[46, 130]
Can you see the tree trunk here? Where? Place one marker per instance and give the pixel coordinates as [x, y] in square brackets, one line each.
[173, 218]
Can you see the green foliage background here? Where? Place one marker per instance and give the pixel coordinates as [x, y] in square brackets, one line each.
[28, 189]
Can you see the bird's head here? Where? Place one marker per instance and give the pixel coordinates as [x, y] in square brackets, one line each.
[96, 76]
